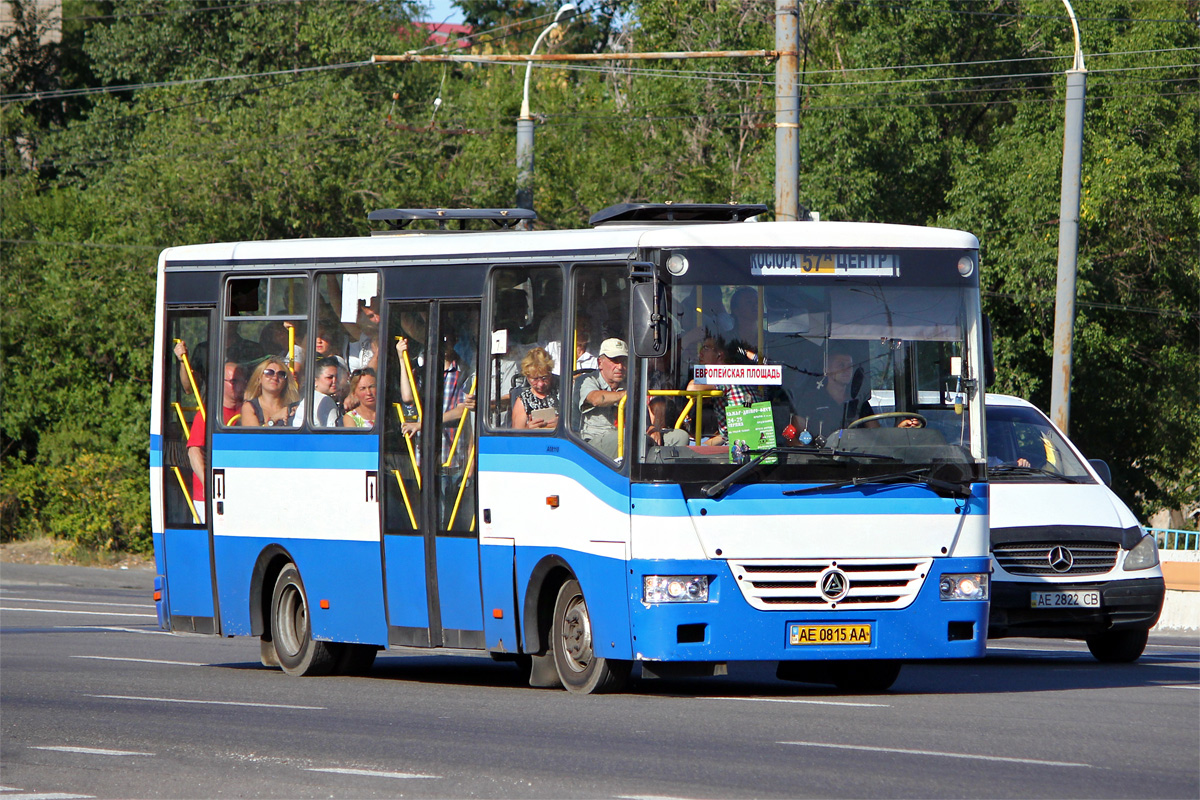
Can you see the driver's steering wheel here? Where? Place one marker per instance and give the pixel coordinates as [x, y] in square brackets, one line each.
[889, 415]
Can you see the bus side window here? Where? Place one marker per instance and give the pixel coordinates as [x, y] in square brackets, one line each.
[598, 410]
[526, 326]
[265, 322]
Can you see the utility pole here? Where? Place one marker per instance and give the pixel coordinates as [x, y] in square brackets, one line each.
[787, 110]
[1068, 235]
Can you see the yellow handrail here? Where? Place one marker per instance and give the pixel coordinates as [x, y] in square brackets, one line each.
[412, 383]
[621, 426]
[461, 487]
[461, 422]
[186, 495]
[412, 454]
[187, 432]
[695, 396]
[404, 494]
[187, 364]
[291, 346]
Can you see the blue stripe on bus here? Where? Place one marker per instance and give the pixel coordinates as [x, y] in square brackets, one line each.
[526, 454]
[156, 455]
[533, 455]
[295, 451]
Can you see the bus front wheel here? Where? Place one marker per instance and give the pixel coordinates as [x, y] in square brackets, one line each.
[291, 630]
[578, 666]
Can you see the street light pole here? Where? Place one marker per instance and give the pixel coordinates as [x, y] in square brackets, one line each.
[1068, 235]
[525, 121]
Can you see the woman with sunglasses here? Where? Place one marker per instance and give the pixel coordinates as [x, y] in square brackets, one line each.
[271, 396]
[537, 406]
[362, 389]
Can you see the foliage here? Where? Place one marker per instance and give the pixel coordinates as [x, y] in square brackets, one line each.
[925, 112]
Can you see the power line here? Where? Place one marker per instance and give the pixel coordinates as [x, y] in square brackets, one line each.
[8, 98]
[1162, 312]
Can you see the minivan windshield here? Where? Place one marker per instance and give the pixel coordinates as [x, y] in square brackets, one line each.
[1024, 446]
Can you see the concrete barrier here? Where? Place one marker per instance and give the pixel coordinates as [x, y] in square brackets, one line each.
[1181, 608]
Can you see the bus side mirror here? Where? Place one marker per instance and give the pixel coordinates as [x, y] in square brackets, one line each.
[649, 329]
[989, 355]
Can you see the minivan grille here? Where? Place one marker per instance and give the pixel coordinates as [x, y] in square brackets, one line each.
[776, 585]
[1034, 558]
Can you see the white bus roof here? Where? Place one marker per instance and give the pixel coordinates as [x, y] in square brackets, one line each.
[609, 238]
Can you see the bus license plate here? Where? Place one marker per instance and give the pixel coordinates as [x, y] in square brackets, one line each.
[829, 634]
[1064, 600]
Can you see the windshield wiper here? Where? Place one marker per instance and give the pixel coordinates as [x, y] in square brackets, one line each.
[1017, 469]
[953, 488]
[720, 486]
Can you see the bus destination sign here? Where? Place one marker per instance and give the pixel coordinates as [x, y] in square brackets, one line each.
[792, 263]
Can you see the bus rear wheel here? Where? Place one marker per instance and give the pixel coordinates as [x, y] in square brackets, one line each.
[579, 668]
[291, 630]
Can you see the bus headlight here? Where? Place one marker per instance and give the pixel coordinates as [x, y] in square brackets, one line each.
[1144, 555]
[675, 589]
[971, 586]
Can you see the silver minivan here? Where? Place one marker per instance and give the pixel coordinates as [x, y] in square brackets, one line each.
[1069, 559]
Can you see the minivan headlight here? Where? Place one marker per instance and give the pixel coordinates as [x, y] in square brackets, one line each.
[1144, 555]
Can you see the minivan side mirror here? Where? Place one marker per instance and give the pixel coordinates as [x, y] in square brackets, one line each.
[1102, 470]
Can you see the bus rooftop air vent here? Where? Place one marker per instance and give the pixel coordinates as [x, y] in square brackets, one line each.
[400, 218]
[676, 213]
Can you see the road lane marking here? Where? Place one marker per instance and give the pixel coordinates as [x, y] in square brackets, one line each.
[204, 702]
[9, 597]
[90, 751]
[46, 796]
[145, 661]
[1180, 687]
[904, 751]
[371, 773]
[803, 701]
[89, 628]
[649, 797]
[89, 613]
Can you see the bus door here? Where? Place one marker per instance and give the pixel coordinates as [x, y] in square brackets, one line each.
[188, 396]
[431, 538]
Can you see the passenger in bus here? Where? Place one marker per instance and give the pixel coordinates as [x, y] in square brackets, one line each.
[600, 395]
[537, 406]
[327, 411]
[271, 396]
[364, 352]
[329, 343]
[362, 389]
[716, 351]
[832, 406]
[231, 402]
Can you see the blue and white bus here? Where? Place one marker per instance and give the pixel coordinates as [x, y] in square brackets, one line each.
[648, 442]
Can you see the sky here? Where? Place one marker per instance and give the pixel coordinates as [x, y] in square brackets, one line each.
[441, 11]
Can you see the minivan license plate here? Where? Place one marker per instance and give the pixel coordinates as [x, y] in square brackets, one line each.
[1064, 600]
[828, 634]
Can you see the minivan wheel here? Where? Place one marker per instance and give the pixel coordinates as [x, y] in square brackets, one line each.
[1118, 647]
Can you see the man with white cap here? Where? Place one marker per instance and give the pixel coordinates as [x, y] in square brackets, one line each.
[599, 396]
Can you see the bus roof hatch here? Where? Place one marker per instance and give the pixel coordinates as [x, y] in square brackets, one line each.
[676, 213]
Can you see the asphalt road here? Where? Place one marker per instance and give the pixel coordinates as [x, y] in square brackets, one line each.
[95, 702]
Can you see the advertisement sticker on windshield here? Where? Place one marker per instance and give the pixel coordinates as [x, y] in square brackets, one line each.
[757, 374]
[791, 263]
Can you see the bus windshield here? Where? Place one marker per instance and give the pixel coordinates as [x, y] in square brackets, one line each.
[823, 370]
